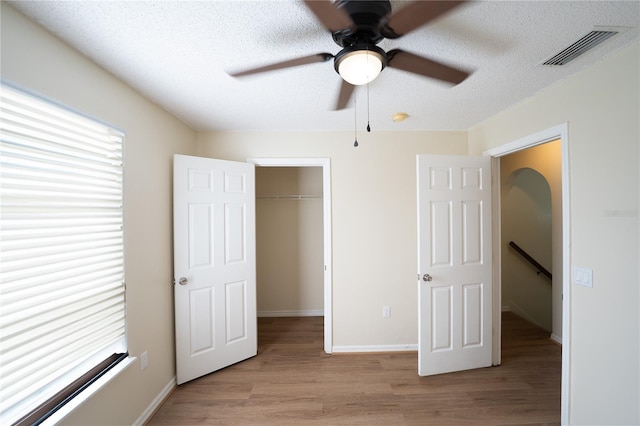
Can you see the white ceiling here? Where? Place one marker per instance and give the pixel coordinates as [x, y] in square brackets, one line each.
[178, 53]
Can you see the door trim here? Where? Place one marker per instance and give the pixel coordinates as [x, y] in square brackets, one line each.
[325, 163]
[561, 132]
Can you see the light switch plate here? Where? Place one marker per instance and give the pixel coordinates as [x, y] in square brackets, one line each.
[386, 311]
[583, 276]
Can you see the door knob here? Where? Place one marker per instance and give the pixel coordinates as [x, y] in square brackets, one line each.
[183, 281]
[427, 277]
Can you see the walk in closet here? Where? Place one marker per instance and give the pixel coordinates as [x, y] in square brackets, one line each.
[289, 241]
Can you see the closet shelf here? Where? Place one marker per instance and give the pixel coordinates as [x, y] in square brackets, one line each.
[288, 197]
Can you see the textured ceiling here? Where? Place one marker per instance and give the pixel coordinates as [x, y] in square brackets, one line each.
[178, 55]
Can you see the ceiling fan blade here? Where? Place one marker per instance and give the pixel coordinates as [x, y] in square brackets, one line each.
[414, 15]
[346, 90]
[333, 18]
[319, 57]
[406, 61]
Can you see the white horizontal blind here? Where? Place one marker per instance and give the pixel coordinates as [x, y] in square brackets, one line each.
[62, 298]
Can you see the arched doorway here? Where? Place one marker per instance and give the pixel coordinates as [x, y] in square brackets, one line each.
[526, 223]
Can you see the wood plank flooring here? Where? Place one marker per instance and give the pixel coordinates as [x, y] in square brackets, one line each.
[292, 381]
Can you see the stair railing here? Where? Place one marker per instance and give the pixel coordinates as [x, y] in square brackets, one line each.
[527, 256]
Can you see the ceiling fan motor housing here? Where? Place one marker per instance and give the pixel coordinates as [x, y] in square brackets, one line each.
[366, 14]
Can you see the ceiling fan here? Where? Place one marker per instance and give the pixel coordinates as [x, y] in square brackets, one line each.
[358, 26]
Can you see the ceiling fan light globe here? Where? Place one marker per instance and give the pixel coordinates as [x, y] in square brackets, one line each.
[360, 67]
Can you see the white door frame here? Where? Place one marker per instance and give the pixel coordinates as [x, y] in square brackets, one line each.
[325, 163]
[561, 132]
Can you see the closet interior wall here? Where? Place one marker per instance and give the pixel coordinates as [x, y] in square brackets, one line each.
[289, 241]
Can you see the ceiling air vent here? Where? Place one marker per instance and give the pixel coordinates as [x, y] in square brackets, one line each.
[586, 43]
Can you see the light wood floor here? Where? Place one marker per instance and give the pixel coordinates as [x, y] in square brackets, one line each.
[292, 381]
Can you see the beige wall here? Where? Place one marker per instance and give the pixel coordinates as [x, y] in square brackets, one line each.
[373, 220]
[601, 106]
[536, 225]
[33, 59]
[289, 241]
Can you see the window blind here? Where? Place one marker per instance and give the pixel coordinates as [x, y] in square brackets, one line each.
[62, 296]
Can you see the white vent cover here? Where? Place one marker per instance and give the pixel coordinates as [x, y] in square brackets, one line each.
[586, 43]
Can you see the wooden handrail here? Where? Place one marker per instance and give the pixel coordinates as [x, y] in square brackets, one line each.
[530, 259]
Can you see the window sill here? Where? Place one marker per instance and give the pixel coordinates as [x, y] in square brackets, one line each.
[86, 394]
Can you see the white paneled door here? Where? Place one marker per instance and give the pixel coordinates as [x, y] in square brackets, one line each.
[454, 263]
[214, 264]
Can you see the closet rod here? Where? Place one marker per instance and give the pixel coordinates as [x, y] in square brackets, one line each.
[288, 197]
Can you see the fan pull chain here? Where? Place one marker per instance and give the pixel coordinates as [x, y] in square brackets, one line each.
[368, 126]
[355, 121]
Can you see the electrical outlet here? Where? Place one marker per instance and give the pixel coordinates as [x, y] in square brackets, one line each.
[144, 360]
[386, 311]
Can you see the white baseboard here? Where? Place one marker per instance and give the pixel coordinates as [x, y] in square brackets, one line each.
[556, 338]
[307, 313]
[155, 404]
[376, 348]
